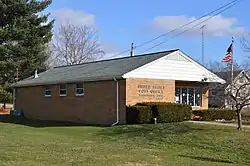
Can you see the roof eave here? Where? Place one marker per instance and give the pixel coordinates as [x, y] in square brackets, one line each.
[91, 79]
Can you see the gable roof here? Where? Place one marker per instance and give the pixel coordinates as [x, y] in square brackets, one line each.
[175, 66]
[242, 74]
[92, 71]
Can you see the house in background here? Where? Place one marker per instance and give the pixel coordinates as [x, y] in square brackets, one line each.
[240, 80]
[217, 91]
[217, 97]
[98, 92]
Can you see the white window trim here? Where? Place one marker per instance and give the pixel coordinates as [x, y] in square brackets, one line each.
[62, 95]
[188, 95]
[79, 88]
[45, 92]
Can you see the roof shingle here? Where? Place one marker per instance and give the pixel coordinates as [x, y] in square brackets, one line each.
[92, 71]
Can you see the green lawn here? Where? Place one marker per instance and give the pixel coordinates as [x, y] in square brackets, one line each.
[134, 145]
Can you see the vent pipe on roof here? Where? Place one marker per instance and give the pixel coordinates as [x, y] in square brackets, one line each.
[36, 75]
[132, 50]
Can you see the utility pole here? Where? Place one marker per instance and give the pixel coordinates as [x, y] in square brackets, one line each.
[132, 50]
[202, 43]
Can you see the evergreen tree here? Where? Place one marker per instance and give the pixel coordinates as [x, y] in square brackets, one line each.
[24, 35]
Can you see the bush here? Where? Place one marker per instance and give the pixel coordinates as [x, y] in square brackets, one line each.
[214, 114]
[138, 114]
[245, 113]
[169, 112]
[174, 112]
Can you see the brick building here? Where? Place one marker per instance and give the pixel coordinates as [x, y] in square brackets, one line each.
[98, 92]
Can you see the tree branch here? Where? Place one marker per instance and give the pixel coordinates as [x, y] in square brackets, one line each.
[76, 44]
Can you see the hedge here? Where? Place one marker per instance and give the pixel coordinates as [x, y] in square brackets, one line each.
[138, 114]
[173, 112]
[245, 114]
[214, 114]
[164, 112]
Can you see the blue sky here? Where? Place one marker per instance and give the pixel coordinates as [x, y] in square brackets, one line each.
[121, 22]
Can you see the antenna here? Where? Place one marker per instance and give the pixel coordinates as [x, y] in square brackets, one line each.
[132, 50]
[202, 43]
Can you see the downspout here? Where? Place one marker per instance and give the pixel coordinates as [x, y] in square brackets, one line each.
[117, 103]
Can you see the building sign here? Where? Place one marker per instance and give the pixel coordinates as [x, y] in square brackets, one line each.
[152, 91]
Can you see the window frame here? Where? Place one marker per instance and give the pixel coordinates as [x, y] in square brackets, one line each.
[63, 95]
[46, 89]
[241, 80]
[187, 96]
[78, 89]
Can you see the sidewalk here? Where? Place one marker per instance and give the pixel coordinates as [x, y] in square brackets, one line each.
[218, 123]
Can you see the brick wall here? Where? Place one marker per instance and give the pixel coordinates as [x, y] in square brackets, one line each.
[153, 90]
[97, 106]
[149, 90]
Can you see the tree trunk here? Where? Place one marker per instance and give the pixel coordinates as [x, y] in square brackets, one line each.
[239, 120]
[4, 105]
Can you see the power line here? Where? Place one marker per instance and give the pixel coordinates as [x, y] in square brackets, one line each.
[164, 34]
[190, 27]
[183, 31]
[187, 23]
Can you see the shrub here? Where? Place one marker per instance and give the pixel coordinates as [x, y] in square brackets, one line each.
[169, 112]
[138, 114]
[213, 114]
[245, 113]
[174, 112]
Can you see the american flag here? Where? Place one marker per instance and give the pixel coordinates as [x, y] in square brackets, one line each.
[229, 53]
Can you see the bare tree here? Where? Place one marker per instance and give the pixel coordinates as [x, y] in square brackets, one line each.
[239, 96]
[75, 44]
[50, 61]
[245, 44]
[216, 66]
[216, 90]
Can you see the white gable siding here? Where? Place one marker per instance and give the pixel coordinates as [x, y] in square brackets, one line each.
[175, 66]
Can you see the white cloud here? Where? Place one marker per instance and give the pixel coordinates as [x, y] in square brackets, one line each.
[74, 17]
[216, 26]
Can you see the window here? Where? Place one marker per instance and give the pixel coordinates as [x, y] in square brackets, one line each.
[47, 92]
[241, 80]
[79, 90]
[63, 90]
[177, 95]
[197, 92]
[188, 95]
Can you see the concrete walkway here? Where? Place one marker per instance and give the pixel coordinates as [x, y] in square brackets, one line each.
[218, 123]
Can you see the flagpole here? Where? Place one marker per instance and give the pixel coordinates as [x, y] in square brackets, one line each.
[232, 67]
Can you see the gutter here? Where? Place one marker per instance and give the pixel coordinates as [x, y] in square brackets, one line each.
[30, 83]
[117, 103]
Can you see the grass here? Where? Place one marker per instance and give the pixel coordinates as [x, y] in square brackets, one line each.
[131, 145]
[245, 113]
[247, 123]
